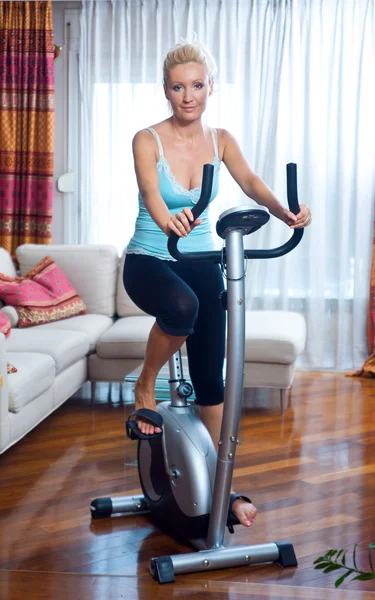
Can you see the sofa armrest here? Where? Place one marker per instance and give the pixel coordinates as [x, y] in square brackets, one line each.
[4, 409]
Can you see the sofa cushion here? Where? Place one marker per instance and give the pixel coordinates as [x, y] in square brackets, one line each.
[6, 264]
[92, 270]
[271, 337]
[65, 347]
[11, 313]
[125, 307]
[35, 374]
[43, 295]
[126, 338]
[274, 336]
[91, 325]
[4, 324]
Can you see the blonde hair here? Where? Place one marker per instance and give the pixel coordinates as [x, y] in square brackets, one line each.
[186, 52]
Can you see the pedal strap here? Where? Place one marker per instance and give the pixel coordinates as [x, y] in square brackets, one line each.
[132, 429]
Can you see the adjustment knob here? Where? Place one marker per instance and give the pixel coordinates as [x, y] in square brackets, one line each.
[185, 389]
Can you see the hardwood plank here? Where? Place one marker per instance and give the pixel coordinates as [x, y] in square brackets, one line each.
[280, 464]
[60, 587]
[311, 475]
[327, 477]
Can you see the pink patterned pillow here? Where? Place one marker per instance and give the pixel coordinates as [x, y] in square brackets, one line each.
[4, 324]
[42, 296]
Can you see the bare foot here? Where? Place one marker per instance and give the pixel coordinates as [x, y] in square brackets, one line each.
[244, 511]
[144, 398]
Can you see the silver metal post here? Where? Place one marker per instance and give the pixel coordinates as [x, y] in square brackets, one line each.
[233, 388]
[107, 507]
[175, 376]
[224, 558]
[130, 504]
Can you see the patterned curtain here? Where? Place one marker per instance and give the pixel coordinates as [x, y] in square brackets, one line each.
[26, 123]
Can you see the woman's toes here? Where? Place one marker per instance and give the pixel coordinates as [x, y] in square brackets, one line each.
[244, 511]
[144, 398]
[251, 512]
[147, 428]
[143, 426]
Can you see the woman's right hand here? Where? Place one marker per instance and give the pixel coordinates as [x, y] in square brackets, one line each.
[182, 223]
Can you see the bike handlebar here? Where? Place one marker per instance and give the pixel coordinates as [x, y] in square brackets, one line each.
[206, 189]
[216, 255]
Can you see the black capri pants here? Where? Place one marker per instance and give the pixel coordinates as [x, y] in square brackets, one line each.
[185, 299]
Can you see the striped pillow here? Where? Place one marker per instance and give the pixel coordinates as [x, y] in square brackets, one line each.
[42, 296]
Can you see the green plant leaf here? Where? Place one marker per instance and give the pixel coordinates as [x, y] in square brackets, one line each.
[364, 577]
[339, 581]
[354, 557]
[334, 560]
[370, 559]
[332, 567]
[322, 565]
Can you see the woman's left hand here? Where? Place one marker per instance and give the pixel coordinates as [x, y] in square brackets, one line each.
[303, 219]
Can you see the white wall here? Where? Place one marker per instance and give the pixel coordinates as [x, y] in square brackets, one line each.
[60, 154]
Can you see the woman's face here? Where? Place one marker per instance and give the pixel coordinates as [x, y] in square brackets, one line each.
[187, 90]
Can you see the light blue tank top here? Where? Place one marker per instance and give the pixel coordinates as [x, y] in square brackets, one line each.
[148, 238]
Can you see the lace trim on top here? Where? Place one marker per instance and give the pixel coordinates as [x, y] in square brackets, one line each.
[163, 164]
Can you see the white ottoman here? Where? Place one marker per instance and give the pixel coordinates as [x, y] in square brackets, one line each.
[274, 341]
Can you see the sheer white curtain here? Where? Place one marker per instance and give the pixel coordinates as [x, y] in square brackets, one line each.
[295, 84]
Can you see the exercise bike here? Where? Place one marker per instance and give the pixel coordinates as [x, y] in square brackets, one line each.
[185, 482]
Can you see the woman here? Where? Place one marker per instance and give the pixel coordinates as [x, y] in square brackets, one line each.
[184, 297]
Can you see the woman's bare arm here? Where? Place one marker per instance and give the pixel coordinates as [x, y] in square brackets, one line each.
[147, 178]
[254, 187]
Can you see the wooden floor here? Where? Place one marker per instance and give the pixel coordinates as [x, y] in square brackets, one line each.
[311, 475]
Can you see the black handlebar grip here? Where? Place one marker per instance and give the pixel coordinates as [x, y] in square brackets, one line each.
[206, 189]
[291, 184]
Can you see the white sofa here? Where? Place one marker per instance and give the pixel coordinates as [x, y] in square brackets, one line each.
[54, 360]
